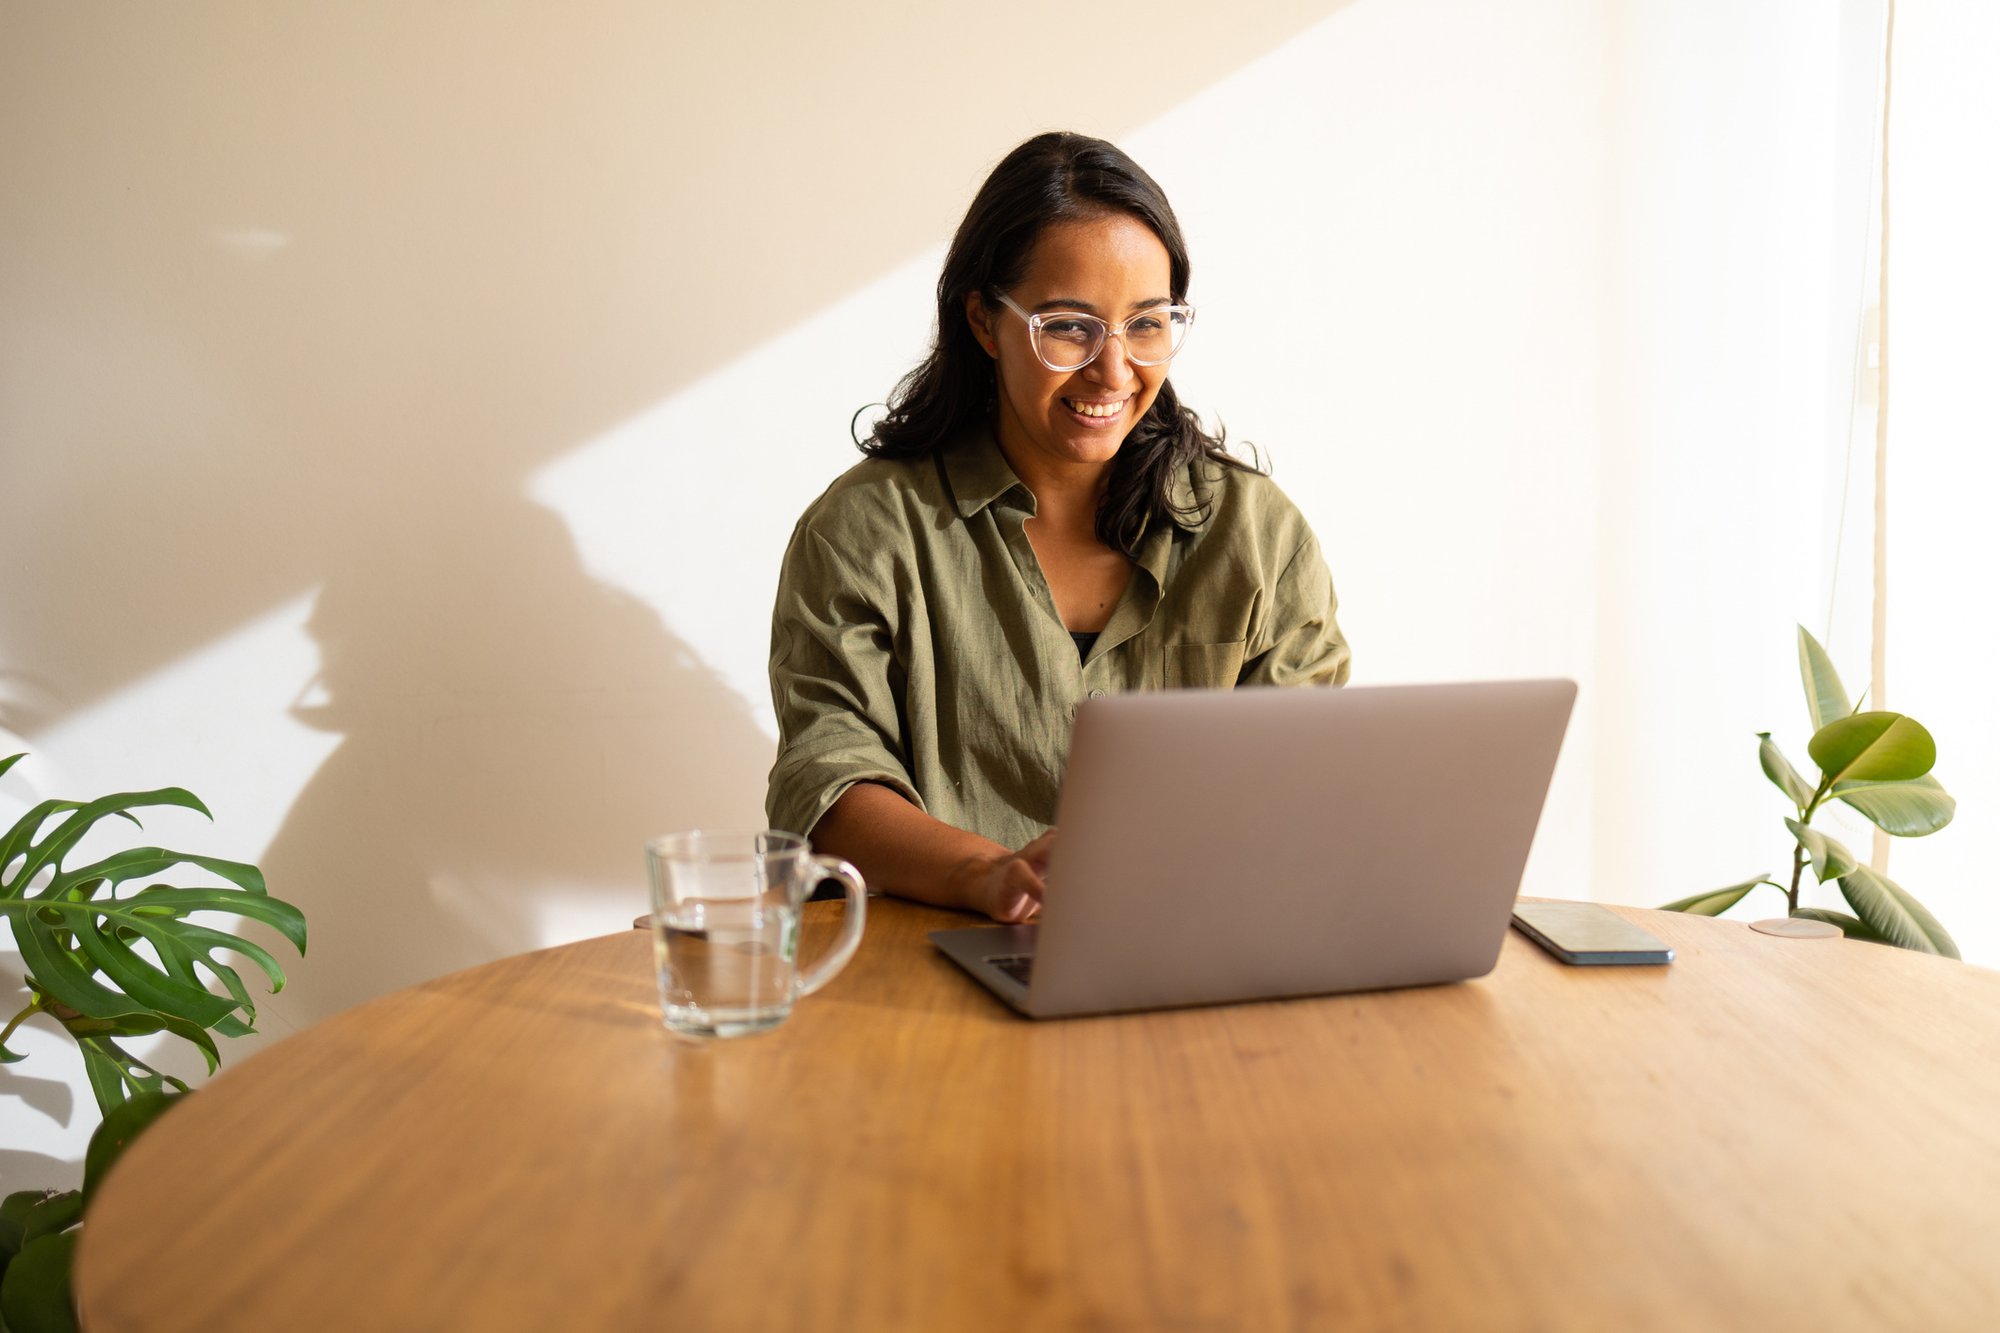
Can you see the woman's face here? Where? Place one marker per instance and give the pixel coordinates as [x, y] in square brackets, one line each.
[1111, 266]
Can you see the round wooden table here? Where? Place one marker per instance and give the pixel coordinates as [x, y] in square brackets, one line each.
[1767, 1134]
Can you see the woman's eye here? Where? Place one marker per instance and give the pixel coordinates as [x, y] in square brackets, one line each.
[1070, 330]
[1147, 324]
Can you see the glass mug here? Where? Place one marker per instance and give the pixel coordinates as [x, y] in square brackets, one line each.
[726, 928]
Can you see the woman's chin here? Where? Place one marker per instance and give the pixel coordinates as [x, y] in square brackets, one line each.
[1064, 441]
[1088, 444]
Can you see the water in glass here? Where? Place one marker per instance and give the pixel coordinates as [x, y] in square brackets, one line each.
[727, 967]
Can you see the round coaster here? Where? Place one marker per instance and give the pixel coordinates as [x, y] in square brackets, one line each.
[1797, 928]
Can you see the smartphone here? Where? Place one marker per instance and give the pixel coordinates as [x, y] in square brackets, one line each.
[1587, 934]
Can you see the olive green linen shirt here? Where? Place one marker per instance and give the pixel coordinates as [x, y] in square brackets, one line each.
[915, 642]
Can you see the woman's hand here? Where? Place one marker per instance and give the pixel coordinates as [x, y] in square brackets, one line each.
[902, 850]
[1007, 888]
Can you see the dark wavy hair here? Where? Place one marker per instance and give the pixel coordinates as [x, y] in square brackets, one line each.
[1056, 177]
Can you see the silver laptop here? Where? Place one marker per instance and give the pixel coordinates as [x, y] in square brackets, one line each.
[1227, 845]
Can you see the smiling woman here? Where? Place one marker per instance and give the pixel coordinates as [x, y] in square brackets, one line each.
[1066, 404]
[1040, 521]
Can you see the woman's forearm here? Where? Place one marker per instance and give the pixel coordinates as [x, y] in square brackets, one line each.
[901, 850]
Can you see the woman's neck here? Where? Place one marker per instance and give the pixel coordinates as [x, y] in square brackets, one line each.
[1067, 495]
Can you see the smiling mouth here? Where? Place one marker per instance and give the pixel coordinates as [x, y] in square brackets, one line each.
[1095, 411]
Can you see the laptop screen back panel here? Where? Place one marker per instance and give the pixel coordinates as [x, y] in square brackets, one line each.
[1250, 844]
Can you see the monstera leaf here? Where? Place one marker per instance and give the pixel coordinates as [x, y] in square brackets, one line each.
[109, 964]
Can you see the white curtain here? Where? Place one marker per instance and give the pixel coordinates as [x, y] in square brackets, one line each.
[1943, 440]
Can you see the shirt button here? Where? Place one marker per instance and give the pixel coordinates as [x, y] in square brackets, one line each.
[1097, 694]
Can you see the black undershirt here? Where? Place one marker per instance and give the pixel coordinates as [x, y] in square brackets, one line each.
[1084, 643]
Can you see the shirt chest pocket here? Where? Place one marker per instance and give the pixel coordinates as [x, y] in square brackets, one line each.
[1201, 666]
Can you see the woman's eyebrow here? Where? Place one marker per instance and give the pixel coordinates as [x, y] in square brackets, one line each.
[1072, 303]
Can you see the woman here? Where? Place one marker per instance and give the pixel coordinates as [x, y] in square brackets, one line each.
[1039, 522]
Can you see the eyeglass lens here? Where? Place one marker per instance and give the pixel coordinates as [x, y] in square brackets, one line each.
[1151, 336]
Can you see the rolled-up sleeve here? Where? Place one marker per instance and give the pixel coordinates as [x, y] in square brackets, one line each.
[1306, 646]
[835, 683]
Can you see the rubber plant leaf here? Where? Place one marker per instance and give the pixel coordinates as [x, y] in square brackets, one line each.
[1873, 747]
[1830, 860]
[1716, 901]
[1852, 927]
[1826, 698]
[1891, 912]
[1905, 809]
[1779, 769]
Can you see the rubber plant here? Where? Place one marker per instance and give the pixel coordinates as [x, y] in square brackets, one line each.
[1877, 763]
[108, 965]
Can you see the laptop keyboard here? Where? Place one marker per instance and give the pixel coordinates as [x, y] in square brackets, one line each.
[1017, 966]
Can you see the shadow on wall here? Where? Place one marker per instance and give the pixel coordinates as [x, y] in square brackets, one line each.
[303, 297]
[511, 733]
[31, 1091]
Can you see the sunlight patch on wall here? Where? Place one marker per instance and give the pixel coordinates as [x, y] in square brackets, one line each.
[688, 505]
[584, 914]
[164, 730]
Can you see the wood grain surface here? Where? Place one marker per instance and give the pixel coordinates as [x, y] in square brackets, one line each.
[1767, 1134]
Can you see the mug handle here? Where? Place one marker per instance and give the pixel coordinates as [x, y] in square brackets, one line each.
[827, 968]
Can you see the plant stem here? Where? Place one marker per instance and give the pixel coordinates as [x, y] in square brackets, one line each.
[1819, 795]
[1798, 850]
[32, 1007]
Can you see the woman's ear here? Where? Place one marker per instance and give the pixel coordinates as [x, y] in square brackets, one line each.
[981, 320]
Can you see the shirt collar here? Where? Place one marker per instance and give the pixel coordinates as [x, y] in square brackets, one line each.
[979, 474]
[978, 471]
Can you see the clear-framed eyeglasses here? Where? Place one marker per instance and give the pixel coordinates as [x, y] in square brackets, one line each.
[1071, 340]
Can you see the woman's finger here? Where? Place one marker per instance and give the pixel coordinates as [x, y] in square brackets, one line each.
[1017, 890]
[1036, 853]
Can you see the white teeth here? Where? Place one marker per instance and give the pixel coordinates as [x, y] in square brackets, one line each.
[1095, 409]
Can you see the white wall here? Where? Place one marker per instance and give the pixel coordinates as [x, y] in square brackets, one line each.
[404, 408]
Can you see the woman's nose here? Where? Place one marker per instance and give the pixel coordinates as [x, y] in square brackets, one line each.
[1111, 366]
